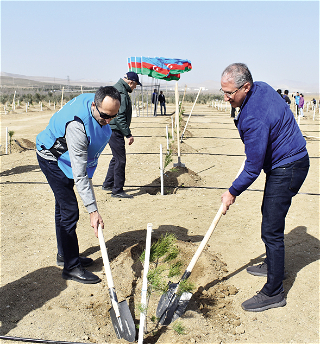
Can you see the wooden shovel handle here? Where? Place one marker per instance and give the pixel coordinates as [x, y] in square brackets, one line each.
[107, 270]
[209, 232]
[105, 258]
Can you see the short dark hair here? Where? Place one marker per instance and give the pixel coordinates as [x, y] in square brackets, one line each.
[105, 91]
[240, 74]
[286, 91]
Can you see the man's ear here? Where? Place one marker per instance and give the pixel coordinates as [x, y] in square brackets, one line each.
[247, 87]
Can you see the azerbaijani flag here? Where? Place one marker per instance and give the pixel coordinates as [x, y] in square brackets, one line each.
[134, 64]
[177, 66]
[172, 77]
[154, 67]
[159, 67]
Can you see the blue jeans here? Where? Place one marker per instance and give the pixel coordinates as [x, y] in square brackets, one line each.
[281, 185]
[66, 212]
[116, 174]
[163, 105]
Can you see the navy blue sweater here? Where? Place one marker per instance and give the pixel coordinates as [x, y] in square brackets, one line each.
[270, 133]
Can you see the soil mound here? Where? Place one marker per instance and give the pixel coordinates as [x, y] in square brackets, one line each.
[211, 297]
[19, 146]
[177, 177]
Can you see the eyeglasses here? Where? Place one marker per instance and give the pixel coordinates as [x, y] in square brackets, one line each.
[104, 115]
[229, 94]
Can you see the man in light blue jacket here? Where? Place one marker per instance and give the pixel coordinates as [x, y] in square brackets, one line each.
[67, 152]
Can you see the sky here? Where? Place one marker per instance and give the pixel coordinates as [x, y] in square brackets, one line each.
[91, 40]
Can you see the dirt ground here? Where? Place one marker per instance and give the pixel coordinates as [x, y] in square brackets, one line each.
[37, 303]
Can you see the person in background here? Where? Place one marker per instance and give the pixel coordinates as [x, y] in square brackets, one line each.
[155, 101]
[67, 152]
[301, 104]
[120, 126]
[273, 142]
[162, 101]
[297, 98]
[280, 92]
[286, 97]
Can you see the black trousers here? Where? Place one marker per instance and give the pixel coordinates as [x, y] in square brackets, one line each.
[115, 177]
[282, 183]
[66, 212]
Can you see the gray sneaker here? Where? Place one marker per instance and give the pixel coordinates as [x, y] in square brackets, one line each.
[106, 188]
[258, 270]
[261, 302]
[121, 195]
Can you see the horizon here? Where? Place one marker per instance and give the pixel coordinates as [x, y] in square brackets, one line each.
[192, 87]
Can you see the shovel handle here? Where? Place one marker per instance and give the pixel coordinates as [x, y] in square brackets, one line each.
[209, 232]
[107, 270]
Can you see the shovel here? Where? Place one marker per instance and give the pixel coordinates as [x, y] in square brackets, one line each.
[144, 290]
[121, 317]
[171, 305]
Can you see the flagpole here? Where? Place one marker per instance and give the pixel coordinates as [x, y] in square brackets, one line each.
[177, 121]
[141, 87]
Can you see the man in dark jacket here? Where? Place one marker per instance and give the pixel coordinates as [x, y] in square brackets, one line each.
[120, 126]
[162, 101]
[154, 100]
[286, 97]
[273, 142]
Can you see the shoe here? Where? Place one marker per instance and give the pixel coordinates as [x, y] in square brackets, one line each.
[79, 274]
[261, 302]
[106, 188]
[84, 261]
[122, 195]
[258, 270]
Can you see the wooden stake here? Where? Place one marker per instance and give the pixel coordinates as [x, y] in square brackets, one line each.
[161, 170]
[167, 136]
[6, 140]
[190, 113]
[62, 97]
[172, 128]
[178, 125]
[14, 101]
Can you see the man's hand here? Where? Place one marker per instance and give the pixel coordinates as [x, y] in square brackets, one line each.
[95, 221]
[227, 199]
[130, 140]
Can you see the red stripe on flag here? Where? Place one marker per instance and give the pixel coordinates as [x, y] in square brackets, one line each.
[155, 68]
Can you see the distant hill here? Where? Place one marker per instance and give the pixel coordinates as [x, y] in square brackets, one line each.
[9, 80]
[12, 81]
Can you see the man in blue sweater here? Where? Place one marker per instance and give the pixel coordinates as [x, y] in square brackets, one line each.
[273, 142]
[67, 152]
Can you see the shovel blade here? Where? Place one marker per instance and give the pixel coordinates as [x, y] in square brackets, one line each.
[176, 308]
[124, 326]
[166, 299]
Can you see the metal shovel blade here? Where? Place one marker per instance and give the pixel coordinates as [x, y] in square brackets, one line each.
[124, 325]
[176, 308]
[166, 299]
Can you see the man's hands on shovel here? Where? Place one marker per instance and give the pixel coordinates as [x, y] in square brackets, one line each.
[95, 221]
[227, 199]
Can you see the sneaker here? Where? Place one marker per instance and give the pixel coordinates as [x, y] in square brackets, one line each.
[258, 270]
[261, 302]
[122, 195]
[106, 188]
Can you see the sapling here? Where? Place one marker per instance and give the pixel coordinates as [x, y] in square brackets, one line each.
[178, 327]
[10, 132]
[164, 264]
[167, 159]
